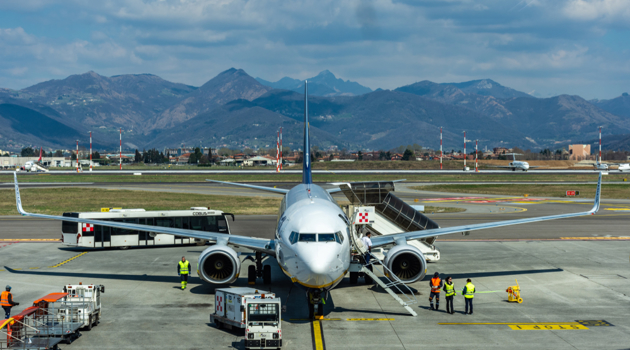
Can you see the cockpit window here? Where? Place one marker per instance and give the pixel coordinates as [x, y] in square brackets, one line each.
[308, 237]
[293, 238]
[339, 237]
[326, 237]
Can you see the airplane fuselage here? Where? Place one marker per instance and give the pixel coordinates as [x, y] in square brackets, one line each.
[312, 240]
[520, 165]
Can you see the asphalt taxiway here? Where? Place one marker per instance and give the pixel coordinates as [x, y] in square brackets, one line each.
[573, 275]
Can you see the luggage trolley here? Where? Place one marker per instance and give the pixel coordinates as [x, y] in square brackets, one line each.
[58, 318]
[20, 332]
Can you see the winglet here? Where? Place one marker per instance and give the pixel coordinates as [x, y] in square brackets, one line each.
[18, 199]
[598, 193]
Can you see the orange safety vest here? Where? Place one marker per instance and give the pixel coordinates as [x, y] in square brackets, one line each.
[435, 284]
[4, 299]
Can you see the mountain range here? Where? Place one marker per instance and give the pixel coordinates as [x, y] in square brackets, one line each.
[235, 110]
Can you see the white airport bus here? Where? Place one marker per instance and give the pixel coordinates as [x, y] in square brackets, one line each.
[96, 236]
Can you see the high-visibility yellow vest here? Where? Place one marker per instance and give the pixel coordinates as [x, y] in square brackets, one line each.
[183, 267]
[469, 291]
[450, 289]
[4, 298]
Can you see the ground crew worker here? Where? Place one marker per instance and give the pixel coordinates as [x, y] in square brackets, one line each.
[183, 269]
[6, 300]
[469, 294]
[449, 293]
[436, 285]
[367, 243]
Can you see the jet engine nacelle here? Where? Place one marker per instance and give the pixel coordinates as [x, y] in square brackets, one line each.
[219, 264]
[406, 262]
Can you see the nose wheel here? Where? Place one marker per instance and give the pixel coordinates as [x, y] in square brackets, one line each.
[315, 305]
[259, 271]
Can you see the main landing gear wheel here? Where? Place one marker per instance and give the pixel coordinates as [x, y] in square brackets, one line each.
[251, 274]
[267, 274]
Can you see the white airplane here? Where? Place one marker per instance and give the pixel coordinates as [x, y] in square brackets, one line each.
[35, 165]
[601, 166]
[312, 238]
[516, 164]
[624, 167]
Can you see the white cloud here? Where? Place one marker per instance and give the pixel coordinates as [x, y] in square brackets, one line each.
[589, 10]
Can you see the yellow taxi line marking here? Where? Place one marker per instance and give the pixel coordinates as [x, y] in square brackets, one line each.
[597, 238]
[68, 260]
[308, 319]
[33, 268]
[548, 327]
[318, 337]
[369, 319]
[504, 323]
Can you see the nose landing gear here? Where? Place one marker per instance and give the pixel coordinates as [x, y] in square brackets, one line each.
[258, 271]
[315, 304]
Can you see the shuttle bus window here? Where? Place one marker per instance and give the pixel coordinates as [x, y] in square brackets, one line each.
[222, 225]
[326, 237]
[144, 235]
[69, 226]
[186, 223]
[124, 231]
[165, 222]
[293, 238]
[308, 237]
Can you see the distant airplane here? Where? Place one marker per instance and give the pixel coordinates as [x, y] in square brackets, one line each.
[624, 167]
[311, 244]
[515, 164]
[35, 166]
[600, 166]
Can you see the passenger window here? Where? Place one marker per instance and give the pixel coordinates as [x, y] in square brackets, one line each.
[326, 237]
[308, 237]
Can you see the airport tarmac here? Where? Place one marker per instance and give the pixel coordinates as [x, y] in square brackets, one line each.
[570, 288]
[569, 270]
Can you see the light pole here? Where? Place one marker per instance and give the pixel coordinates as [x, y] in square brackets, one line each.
[120, 151]
[77, 156]
[90, 151]
[476, 144]
[600, 144]
[441, 148]
[465, 155]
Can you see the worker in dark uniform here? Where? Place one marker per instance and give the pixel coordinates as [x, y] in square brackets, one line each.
[436, 285]
[469, 294]
[183, 269]
[6, 300]
[449, 293]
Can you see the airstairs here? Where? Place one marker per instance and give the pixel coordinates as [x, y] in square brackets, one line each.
[391, 214]
[396, 288]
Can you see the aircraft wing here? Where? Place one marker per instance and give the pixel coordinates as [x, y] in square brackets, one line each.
[504, 167]
[262, 188]
[256, 244]
[406, 236]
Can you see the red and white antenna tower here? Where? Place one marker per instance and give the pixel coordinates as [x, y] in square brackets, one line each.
[278, 152]
[440, 148]
[77, 156]
[120, 151]
[476, 144]
[90, 151]
[280, 148]
[600, 144]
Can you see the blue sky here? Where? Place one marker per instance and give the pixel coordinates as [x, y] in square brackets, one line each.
[543, 47]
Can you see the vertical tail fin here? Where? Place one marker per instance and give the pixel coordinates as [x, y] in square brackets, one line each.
[40, 155]
[306, 161]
